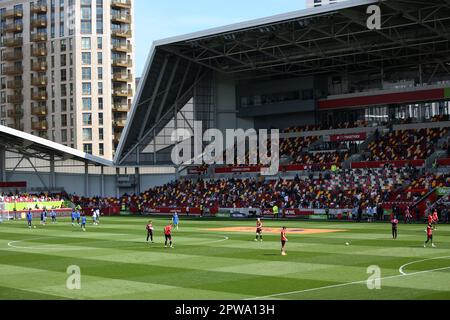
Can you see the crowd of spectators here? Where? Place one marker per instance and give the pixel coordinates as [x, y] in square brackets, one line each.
[19, 197]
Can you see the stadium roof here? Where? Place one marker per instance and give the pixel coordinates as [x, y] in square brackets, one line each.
[323, 40]
[27, 144]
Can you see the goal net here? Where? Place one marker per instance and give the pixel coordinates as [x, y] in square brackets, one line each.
[4, 214]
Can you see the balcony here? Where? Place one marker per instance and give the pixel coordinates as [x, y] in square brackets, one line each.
[40, 111]
[16, 113]
[12, 56]
[14, 27]
[122, 93]
[39, 52]
[122, 4]
[40, 7]
[13, 13]
[38, 23]
[39, 125]
[15, 98]
[119, 123]
[39, 95]
[122, 47]
[121, 18]
[124, 63]
[12, 42]
[15, 84]
[122, 77]
[39, 82]
[13, 70]
[119, 107]
[39, 66]
[17, 126]
[121, 33]
[39, 37]
[116, 138]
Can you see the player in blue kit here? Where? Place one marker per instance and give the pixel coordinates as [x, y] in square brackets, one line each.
[83, 222]
[74, 216]
[175, 220]
[78, 217]
[29, 219]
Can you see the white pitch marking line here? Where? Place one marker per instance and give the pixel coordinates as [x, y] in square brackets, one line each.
[208, 242]
[418, 261]
[344, 284]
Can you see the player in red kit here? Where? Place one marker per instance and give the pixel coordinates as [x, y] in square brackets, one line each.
[168, 235]
[149, 229]
[429, 236]
[435, 219]
[283, 241]
[430, 219]
[394, 223]
[259, 230]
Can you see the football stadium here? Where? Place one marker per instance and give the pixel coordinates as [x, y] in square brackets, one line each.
[358, 207]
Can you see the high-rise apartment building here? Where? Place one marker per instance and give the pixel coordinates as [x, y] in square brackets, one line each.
[67, 70]
[318, 3]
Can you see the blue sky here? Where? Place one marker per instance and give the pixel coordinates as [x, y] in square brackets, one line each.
[161, 19]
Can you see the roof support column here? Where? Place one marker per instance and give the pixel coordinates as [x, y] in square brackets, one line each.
[137, 180]
[86, 179]
[102, 181]
[52, 172]
[117, 182]
[2, 164]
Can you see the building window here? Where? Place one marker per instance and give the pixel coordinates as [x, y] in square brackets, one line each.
[100, 134]
[86, 27]
[63, 90]
[100, 73]
[64, 135]
[100, 119]
[63, 75]
[86, 43]
[64, 120]
[87, 104]
[86, 73]
[86, 57]
[63, 45]
[100, 103]
[63, 60]
[100, 88]
[101, 149]
[87, 119]
[99, 43]
[63, 105]
[87, 148]
[87, 134]
[86, 88]
[100, 58]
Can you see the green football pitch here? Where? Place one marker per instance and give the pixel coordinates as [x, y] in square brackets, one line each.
[209, 261]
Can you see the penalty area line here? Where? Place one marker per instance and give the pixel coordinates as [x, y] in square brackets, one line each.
[344, 284]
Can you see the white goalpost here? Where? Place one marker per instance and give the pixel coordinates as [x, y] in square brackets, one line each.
[4, 214]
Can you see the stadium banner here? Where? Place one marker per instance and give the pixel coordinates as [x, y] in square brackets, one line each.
[444, 162]
[21, 206]
[170, 211]
[65, 212]
[196, 170]
[383, 99]
[285, 168]
[381, 164]
[442, 191]
[18, 184]
[346, 137]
